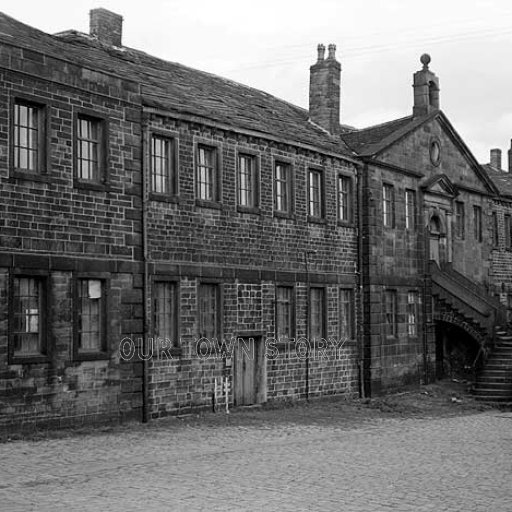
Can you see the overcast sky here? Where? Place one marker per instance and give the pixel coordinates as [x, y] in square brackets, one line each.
[270, 44]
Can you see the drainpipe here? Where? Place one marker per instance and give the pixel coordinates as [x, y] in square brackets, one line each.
[308, 323]
[359, 270]
[426, 295]
[145, 285]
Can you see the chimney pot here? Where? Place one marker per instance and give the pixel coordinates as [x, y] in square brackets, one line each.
[332, 52]
[106, 26]
[321, 52]
[496, 158]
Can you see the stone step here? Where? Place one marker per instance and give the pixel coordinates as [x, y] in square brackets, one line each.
[504, 344]
[502, 386]
[501, 353]
[493, 392]
[498, 375]
[498, 400]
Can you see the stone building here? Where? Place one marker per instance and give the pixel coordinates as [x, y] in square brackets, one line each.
[157, 219]
[426, 247]
[164, 228]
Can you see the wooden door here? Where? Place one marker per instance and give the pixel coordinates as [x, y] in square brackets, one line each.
[245, 371]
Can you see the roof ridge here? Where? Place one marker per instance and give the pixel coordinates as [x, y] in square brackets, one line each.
[385, 123]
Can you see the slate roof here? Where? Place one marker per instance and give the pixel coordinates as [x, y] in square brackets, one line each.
[370, 141]
[361, 140]
[178, 88]
[502, 179]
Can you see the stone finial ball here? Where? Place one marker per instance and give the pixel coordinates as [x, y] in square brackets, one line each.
[425, 59]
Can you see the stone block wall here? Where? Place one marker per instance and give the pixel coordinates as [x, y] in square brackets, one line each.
[54, 226]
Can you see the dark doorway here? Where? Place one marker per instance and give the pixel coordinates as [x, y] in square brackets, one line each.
[456, 351]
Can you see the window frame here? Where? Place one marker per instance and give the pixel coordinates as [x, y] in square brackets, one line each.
[391, 202]
[477, 218]
[104, 352]
[317, 171]
[216, 149]
[412, 311]
[292, 304]
[175, 349]
[507, 220]
[323, 322]
[390, 329]
[290, 181]
[460, 220]
[495, 235]
[220, 307]
[43, 158]
[44, 311]
[255, 159]
[351, 323]
[350, 199]
[102, 181]
[173, 192]
[410, 216]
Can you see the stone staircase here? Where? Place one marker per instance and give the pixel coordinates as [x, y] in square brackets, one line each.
[481, 313]
[467, 299]
[494, 381]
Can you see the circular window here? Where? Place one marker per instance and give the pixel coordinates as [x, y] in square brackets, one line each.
[435, 152]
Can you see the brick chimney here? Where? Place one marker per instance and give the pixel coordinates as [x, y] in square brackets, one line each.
[426, 89]
[106, 26]
[496, 158]
[324, 90]
[510, 158]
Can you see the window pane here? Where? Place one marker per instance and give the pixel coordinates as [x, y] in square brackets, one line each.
[317, 313]
[390, 313]
[412, 308]
[315, 193]
[282, 187]
[477, 214]
[91, 313]
[26, 137]
[207, 174]
[165, 312]
[388, 205]
[162, 166]
[346, 314]
[459, 219]
[208, 311]
[410, 209]
[88, 148]
[284, 312]
[27, 321]
[344, 199]
[247, 180]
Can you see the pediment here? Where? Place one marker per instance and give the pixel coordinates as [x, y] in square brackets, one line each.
[440, 184]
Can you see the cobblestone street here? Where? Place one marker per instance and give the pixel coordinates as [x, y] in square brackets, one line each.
[308, 458]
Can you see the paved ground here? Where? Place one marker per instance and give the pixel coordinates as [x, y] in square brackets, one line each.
[323, 456]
